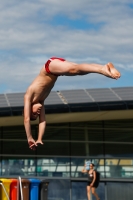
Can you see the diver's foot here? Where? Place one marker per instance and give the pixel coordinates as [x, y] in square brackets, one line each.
[110, 71]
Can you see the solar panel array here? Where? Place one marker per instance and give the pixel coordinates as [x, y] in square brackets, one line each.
[73, 96]
[15, 99]
[76, 96]
[103, 95]
[126, 93]
[3, 101]
[53, 98]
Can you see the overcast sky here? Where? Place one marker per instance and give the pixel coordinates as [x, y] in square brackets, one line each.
[93, 31]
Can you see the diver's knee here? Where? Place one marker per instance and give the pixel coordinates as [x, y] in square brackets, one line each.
[74, 69]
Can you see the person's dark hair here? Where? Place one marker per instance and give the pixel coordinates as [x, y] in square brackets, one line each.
[92, 164]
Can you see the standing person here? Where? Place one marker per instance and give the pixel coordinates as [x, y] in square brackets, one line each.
[92, 185]
[40, 88]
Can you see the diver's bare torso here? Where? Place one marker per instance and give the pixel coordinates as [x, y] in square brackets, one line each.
[41, 86]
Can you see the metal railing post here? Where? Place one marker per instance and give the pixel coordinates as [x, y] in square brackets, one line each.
[20, 185]
[4, 190]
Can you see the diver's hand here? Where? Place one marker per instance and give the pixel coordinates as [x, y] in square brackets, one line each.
[39, 142]
[32, 143]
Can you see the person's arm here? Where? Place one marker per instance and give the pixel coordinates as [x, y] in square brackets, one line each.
[94, 174]
[84, 170]
[27, 110]
[42, 125]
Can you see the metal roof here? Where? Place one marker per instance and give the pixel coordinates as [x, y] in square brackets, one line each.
[73, 100]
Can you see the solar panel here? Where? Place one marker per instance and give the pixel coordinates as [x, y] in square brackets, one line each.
[15, 99]
[72, 96]
[53, 98]
[3, 101]
[76, 96]
[103, 95]
[126, 93]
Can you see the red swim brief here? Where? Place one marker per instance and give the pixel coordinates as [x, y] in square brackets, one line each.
[49, 61]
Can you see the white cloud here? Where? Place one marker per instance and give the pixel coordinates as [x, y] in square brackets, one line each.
[28, 37]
